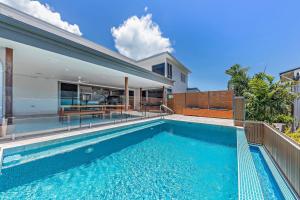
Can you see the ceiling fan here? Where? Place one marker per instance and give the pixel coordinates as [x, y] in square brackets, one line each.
[80, 80]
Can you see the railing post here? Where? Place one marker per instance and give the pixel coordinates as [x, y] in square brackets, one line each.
[69, 121]
[3, 127]
[208, 100]
[239, 111]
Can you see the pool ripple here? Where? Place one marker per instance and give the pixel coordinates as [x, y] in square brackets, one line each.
[166, 166]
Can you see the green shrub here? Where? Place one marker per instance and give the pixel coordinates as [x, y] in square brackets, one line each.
[286, 119]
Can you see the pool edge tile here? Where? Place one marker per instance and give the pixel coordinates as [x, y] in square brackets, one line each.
[248, 183]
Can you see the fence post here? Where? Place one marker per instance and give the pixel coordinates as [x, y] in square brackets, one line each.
[3, 130]
[208, 104]
[239, 111]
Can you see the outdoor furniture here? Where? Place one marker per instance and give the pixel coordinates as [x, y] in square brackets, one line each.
[94, 110]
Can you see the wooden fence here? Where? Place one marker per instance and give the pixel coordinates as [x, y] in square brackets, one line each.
[203, 104]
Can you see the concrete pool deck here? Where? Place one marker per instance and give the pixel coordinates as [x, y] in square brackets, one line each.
[65, 134]
[203, 120]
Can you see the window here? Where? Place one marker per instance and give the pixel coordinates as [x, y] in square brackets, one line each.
[159, 69]
[183, 77]
[169, 71]
[68, 94]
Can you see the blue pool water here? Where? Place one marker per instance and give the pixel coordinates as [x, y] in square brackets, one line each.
[171, 160]
[269, 186]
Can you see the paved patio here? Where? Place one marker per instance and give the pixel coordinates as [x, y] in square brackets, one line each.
[205, 120]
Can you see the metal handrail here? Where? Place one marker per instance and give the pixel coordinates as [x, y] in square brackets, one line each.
[166, 107]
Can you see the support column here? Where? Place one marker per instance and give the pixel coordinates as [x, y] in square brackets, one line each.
[126, 94]
[9, 84]
[164, 96]
[141, 98]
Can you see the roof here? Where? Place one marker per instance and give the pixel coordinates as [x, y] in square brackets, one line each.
[193, 89]
[167, 54]
[27, 26]
[290, 70]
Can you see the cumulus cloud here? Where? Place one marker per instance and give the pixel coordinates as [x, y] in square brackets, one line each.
[138, 38]
[43, 12]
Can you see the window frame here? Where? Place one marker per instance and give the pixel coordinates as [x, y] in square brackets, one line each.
[182, 77]
[162, 67]
[169, 70]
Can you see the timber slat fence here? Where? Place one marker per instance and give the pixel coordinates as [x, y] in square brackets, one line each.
[217, 104]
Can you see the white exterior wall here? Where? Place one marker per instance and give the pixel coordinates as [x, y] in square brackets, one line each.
[296, 110]
[147, 64]
[179, 86]
[2, 60]
[34, 96]
[137, 97]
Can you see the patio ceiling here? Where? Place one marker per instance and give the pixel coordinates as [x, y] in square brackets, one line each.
[36, 62]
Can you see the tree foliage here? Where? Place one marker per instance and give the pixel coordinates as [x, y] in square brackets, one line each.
[239, 79]
[266, 100]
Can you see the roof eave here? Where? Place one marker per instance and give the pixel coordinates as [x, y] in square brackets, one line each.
[20, 23]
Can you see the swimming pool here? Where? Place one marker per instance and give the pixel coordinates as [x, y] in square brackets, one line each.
[270, 188]
[162, 159]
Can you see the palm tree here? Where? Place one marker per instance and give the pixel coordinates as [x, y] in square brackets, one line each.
[239, 79]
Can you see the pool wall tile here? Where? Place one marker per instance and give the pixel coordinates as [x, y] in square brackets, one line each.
[1, 159]
[249, 185]
[282, 183]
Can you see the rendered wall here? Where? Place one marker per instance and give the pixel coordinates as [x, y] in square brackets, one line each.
[2, 60]
[179, 86]
[137, 97]
[33, 96]
[147, 64]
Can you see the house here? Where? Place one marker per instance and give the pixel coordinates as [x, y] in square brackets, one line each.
[294, 76]
[167, 65]
[192, 90]
[45, 68]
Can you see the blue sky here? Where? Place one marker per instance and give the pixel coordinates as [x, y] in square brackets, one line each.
[208, 36]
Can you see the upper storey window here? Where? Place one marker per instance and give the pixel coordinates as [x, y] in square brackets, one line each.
[169, 71]
[159, 69]
[183, 77]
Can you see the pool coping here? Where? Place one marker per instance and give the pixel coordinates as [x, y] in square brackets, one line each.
[67, 134]
[201, 120]
[248, 182]
[285, 188]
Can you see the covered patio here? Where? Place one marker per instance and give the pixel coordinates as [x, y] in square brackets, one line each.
[46, 90]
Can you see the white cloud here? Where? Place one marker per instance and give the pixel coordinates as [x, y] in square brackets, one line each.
[43, 12]
[138, 38]
[146, 9]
